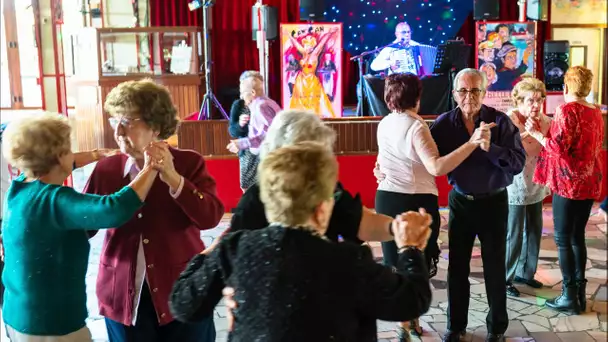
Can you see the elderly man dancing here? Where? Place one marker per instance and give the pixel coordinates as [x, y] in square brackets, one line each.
[478, 202]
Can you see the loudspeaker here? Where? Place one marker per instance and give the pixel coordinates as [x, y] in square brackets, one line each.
[312, 10]
[555, 63]
[485, 9]
[270, 16]
[537, 9]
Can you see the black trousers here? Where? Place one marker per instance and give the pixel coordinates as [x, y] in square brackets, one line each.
[485, 218]
[393, 204]
[147, 329]
[569, 220]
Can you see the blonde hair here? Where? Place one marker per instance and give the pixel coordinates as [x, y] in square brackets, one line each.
[146, 100]
[527, 85]
[294, 180]
[290, 127]
[251, 73]
[33, 144]
[579, 80]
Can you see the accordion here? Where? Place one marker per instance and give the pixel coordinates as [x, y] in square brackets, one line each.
[424, 58]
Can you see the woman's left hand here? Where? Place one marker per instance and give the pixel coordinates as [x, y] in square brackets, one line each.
[532, 125]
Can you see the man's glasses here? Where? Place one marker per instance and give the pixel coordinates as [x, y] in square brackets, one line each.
[122, 121]
[404, 32]
[474, 92]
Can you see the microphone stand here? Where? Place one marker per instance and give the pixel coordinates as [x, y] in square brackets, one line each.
[359, 59]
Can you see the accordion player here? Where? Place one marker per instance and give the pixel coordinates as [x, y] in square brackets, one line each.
[415, 58]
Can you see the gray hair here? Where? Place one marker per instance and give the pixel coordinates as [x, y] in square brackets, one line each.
[251, 73]
[471, 71]
[290, 127]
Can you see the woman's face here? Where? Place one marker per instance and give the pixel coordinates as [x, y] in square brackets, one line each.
[531, 105]
[511, 60]
[132, 135]
[490, 73]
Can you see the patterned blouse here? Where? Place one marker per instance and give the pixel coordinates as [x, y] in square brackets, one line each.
[523, 190]
[569, 163]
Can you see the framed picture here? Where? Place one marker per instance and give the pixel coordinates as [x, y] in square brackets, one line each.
[506, 53]
[587, 12]
[311, 68]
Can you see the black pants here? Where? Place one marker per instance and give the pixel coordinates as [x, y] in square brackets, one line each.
[393, 204]
[570, 219]
[485, 218]
[147, 329]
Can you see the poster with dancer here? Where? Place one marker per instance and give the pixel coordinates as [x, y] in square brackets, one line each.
[311, 68]
[506, 54]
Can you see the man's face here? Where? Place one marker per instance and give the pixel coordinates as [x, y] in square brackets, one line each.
[247, 90]
[403, 33]
[503, 32]
[469, 94]
[490, 73]
[510, 60]
[481, 33]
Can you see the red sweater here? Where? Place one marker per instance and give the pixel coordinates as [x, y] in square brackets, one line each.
[169, 228]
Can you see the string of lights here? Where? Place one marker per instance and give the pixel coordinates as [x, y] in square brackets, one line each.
[370, 24]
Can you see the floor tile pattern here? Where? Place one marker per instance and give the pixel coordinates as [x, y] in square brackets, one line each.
[529, 319]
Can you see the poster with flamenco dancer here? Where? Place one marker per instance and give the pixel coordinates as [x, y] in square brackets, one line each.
[311, 68]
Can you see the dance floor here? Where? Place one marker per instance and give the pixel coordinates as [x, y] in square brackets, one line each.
[529, 319]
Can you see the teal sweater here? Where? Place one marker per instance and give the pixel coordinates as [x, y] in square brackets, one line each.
[47, 251]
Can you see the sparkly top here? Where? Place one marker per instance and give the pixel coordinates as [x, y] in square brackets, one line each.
[47, 252]
[293, 286]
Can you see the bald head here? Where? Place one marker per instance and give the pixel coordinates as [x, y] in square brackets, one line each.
[403, 32]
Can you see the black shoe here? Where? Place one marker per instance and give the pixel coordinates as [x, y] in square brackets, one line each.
[530, 282]
[512, 291]
[403, 335]
[567, 302]
[452, 336]
[582, 294]
[495, 338]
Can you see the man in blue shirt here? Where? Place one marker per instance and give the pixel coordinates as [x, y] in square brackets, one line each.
[478, 202]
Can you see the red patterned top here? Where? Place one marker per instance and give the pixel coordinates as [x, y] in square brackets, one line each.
[569, 164]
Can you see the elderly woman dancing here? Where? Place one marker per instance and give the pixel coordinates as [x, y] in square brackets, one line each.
[46, 249]
[525, 222]
[570, 165]
[144, 256]
[294, 284]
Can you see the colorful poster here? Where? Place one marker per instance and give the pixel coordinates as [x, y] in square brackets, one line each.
[311, 68]
[579, 12]
[506, 54]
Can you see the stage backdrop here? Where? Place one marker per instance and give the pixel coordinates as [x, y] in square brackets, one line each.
[506, 53]
[311, 68]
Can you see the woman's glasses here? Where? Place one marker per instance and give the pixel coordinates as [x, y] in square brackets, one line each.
[122, 121]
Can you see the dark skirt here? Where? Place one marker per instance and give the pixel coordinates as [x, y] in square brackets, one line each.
[393, 204]
[248, 165]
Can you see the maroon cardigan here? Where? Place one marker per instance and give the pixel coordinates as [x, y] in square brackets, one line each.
[170, 229]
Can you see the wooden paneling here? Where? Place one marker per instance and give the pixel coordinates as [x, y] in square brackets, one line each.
[210, 137]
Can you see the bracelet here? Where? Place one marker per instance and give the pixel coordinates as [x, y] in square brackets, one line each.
[408, 248]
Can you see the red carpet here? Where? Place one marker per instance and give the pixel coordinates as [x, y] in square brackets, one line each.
[355, 173]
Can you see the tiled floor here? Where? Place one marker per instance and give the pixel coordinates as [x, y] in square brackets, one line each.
[529, 320]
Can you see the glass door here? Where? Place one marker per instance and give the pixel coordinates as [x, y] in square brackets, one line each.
[20, 56]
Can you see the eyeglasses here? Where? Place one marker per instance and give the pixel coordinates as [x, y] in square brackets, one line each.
[122, 121]
[474, 92]
[405, 32]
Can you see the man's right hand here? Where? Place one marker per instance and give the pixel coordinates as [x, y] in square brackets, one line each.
[378, 174]
[243, 120]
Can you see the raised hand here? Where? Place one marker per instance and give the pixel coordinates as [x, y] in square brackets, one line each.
[243, 120]
[233, 146]
[412, 229]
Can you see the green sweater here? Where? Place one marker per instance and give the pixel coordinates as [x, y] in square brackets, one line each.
[47, 251]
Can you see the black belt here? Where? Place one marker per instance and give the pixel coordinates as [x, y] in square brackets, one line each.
[472, 197]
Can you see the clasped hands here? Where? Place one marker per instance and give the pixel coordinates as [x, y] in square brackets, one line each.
[158, 157]
[411, 229]
[482, 135]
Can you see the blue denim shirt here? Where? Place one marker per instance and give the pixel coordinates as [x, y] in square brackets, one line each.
[482, 172]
